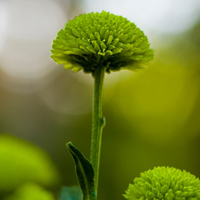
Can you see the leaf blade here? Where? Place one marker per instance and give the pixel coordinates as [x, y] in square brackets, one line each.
[84, 172]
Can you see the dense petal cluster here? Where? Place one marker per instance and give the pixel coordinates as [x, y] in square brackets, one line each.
[164, 183]
[101, 39]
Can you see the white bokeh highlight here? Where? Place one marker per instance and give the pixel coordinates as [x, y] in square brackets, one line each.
[164, 17]
[27, 31]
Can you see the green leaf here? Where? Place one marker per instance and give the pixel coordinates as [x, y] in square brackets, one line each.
[84, 172]
[71, 193]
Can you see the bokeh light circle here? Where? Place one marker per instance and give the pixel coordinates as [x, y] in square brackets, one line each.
[27, 31]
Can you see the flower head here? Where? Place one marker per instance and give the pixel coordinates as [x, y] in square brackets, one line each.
[164, 183]
[101, 39]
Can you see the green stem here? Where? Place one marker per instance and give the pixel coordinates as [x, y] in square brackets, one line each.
[97, 122]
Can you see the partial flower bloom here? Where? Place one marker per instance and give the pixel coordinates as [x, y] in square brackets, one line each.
[165, 183]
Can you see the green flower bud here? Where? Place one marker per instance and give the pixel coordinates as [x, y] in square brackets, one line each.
[164, 183]
[101, 39]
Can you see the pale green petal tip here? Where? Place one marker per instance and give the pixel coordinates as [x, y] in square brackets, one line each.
[166, 183]
[101, 39]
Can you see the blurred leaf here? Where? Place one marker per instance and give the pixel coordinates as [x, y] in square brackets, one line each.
[23, 162]
[31, 191]
[71, 193]
[84, 172]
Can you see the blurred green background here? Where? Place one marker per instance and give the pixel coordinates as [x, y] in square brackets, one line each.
[152, 116]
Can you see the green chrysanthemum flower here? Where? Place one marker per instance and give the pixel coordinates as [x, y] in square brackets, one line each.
[101, 39]
[164, 183]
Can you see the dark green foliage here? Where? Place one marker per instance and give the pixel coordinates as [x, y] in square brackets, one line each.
[84, 172]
